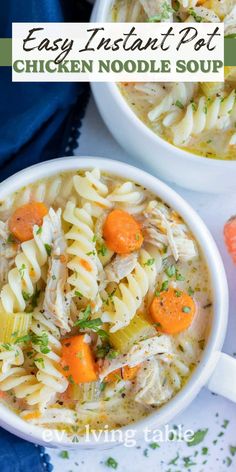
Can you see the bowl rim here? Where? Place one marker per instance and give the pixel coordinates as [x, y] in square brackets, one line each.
[100, 14]
[182, 399]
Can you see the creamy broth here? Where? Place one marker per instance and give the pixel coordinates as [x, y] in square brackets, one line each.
[81, 339]
[200, 117]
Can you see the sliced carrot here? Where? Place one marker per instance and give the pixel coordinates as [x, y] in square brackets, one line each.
[114, 376]
[125, 373]
[128, 373]
[122, 232]
[230, 236]
[77, 360]
[172, 311]
[2, 394]
[22, 221]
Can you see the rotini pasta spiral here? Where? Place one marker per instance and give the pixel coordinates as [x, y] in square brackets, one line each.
[132, 293]
[49, 374]
[13, 376]
[182, 92]
[84, 262]
[90, 188]
[55, 191]
[28, 270]
[9, 355]
[128, 197]
[39, 388]
[218, 114]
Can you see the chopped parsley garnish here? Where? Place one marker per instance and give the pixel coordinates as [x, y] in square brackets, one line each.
[86, 323]
[186, 309]
[48, 249]
[22, 271]
[33, 300]
[163, 288]
[102, 386]
[39, 230]
[7, 346]
[232, 450]
[39, 340]
[170, 271]
[102, 250]
[40, 360]
[11, 239]
[112, 354]
[179, 276]
[102, 351]
[149, 262]
[166, 11]
[111, 462]
[26, 296]
[196, 17]
[78, 294]
[91, 253]
[154, 445]
[174, 461]
[64, 455]
[179, 104]
[190, 291]
[70, 379]
[197, 437]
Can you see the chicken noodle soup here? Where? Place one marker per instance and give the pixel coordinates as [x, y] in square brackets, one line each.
[198, 117]
[105, 302]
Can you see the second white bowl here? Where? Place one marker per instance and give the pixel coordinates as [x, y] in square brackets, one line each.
[159, 157]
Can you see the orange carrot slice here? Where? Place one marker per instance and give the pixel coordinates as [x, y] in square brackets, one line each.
[129, 373]
[125, 373]
[230, 237]
[122, 232]
[114, 376]
[77, 360]
[172, 311]
[24, 218]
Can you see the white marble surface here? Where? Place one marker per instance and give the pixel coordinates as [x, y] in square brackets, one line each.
[207, 411]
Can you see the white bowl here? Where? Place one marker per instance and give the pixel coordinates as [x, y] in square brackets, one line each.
[16, 425]
[160, 157]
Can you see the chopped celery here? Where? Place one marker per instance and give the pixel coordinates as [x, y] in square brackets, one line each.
[86, 392]
[14, 325]
[138, 329]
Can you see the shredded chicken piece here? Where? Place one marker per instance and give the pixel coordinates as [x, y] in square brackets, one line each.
[158, 345]
[230, 22]
[150, 387]
[120, 267]
[161, 229]
[155, 7]
[56, 304]
[205, 14]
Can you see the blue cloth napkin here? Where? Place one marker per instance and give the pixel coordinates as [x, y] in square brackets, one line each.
[37, 118]
[17, 455]
[36, 122]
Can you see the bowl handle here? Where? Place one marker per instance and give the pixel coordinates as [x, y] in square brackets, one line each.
[223, 379]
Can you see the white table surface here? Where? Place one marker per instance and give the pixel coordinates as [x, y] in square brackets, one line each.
[207, 411]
